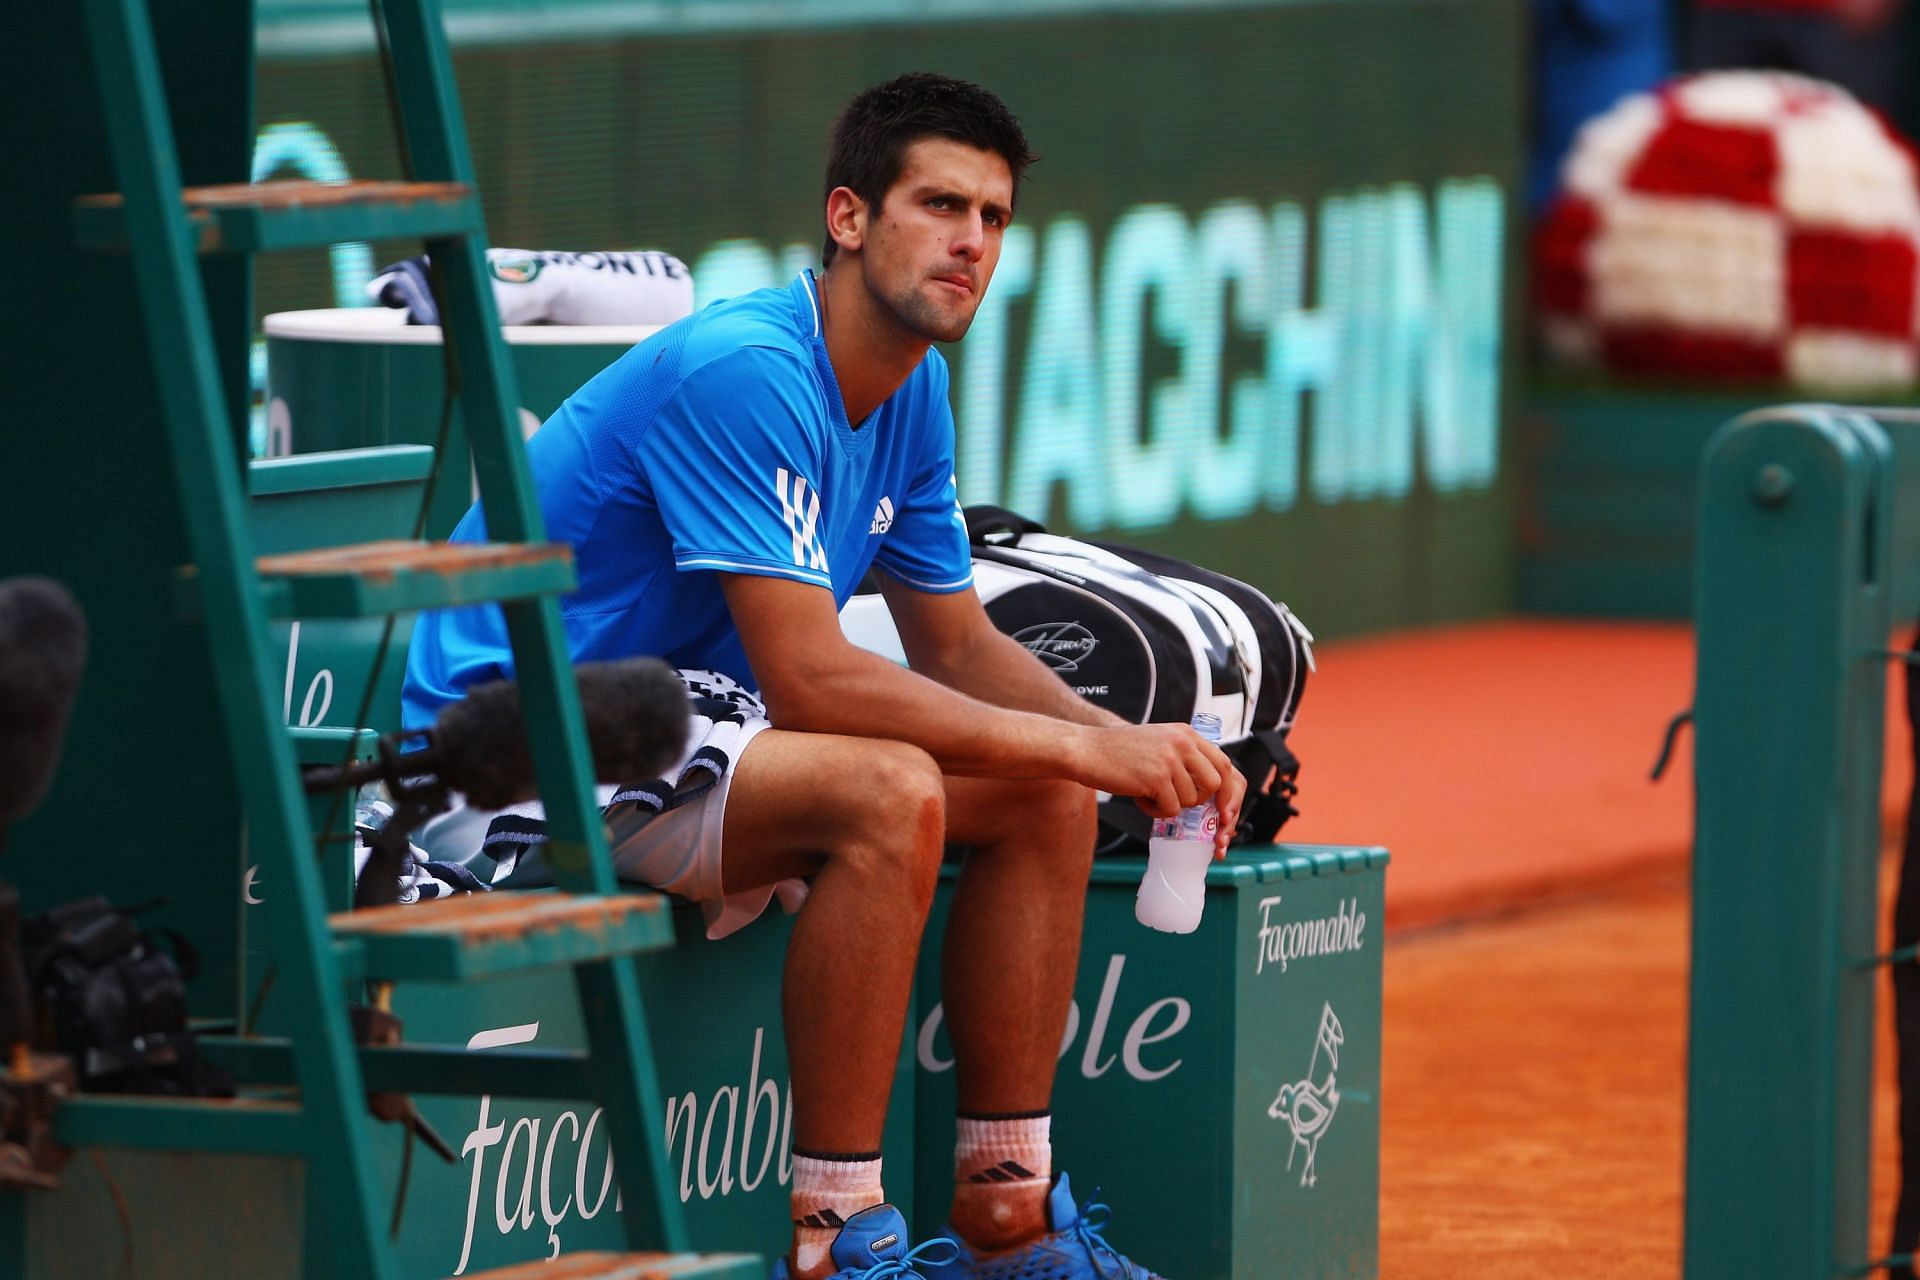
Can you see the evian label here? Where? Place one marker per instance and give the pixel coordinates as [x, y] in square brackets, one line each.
[560, 1171]
[1282, 942]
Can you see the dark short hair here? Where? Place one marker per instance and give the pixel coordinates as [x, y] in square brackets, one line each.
[870, 139]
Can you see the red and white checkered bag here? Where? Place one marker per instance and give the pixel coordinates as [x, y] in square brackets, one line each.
[1736, 226]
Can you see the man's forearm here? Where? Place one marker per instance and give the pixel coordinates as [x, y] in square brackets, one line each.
[869, 696]
[1002, 671]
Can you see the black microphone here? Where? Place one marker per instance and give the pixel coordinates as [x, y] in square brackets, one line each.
[43, 647]
[636, 717]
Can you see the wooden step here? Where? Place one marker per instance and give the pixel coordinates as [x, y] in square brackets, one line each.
[479, 934]
[634, 1266]
[251, 217]
[400, 576]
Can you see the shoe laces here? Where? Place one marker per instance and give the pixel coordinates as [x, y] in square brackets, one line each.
[925, 1251]
[1087, 1233]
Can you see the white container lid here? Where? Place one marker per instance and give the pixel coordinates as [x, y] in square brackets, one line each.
[387, 326]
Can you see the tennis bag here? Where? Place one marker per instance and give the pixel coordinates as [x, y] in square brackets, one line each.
[1149, 638]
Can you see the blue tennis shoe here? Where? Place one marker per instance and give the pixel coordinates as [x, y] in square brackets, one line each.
[1073, 1250]
[872, 1245]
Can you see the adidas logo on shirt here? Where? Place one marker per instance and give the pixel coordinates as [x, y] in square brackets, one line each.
[882, 517]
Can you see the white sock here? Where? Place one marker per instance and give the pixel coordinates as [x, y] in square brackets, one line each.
[1005, 1166]
[1017, 1149]
[827, 1190]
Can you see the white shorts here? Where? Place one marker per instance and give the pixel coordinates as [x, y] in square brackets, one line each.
[665, 832]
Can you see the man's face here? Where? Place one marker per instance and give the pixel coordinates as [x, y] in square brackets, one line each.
[931, 247]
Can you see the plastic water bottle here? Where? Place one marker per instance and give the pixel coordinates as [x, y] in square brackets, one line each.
[1178, 854]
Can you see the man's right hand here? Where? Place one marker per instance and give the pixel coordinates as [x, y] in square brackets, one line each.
[1164, 767]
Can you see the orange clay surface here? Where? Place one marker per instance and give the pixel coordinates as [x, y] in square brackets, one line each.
[1533, 1094]
[1536, 963]
[1507, 762]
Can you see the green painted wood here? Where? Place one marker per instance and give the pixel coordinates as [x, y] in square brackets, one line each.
[310, 501]
[386, 211]
[1902, 426]
[341, 394]
[407, 589]
[309, 473]
[448, 1070]
[332, 746]
[428, 954]
[314, 500]
[1793, 607]
[253, 1125]
[1256, 866]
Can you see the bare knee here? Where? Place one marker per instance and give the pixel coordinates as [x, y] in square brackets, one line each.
[896, 821]
[1072, 813]
[1041, 822]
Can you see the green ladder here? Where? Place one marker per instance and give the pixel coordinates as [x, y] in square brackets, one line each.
[307, 1095]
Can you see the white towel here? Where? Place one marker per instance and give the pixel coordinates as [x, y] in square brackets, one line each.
[557, 287]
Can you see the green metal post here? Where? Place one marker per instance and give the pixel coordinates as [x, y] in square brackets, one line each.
[1793, 604]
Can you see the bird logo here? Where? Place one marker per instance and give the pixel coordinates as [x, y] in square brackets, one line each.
[1307, 1107]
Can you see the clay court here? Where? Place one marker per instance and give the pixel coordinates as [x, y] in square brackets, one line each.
[1536, 969]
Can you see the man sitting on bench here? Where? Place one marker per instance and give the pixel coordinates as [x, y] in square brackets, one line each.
[725, 485]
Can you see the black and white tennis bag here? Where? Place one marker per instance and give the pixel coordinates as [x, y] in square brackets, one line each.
[1148, 637]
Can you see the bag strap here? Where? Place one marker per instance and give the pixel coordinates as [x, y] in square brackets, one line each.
[984, 520]
[1261, 755]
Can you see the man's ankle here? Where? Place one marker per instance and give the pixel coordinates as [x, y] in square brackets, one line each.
[828, 1189]
[820, 1271]
[1000, 1215]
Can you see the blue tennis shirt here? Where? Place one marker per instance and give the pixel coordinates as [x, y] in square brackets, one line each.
[719, 445]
